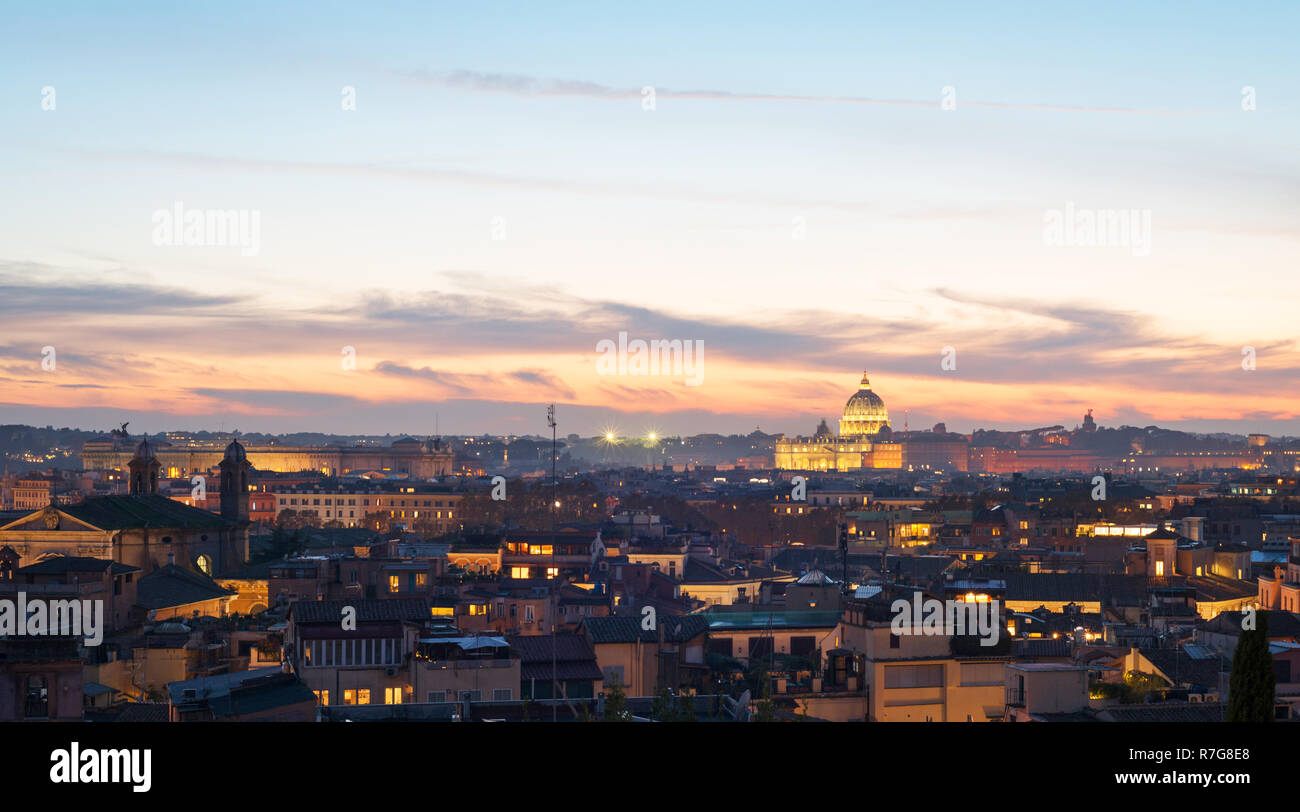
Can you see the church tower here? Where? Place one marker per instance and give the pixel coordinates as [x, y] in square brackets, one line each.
[234, 483]
[144, 467]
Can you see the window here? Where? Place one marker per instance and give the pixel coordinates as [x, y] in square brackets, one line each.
[437, 696]
[471, 696]
[392, 696]
[356, 696]
[322, 697]
[913, 676]
[502, 695]
[802, 646]
[982, 674]
[720, 645]
[519, 572]
[895, 641]
[37, 705]
[394, 583]
[421, 580]
[528, 613]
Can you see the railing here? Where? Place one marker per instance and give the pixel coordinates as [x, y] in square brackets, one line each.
[468, 664]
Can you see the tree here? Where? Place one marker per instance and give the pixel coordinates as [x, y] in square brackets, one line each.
[686, 712]
[616, 704]
[1139, 685]
[1251, 687]
[765, 708]
[664, 709]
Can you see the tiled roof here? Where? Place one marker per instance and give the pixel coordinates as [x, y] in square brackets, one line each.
[141, 510]
[698, 572]
[676, 629]
[1218, 588]
[1182, 669]
[1074, 587]
[1280, 624]
[1041, 647]
[413, 609]
[143, 712]
[584, 669]
[60, 564]
[536, 648]
[241, 693]
[172, 586]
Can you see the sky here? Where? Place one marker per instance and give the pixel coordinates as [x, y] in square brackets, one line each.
[447, 208]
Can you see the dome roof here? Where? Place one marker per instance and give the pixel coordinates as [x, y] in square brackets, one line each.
[144, 451]
[236, 452]
[816, 578]
[864, 413]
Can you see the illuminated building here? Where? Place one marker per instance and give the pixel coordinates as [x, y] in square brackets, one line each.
[1281, 589]
[418, 459]
[142, 529]
[431, 506]
[863, 441]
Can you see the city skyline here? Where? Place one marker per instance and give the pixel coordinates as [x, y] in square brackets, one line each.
[497, 202]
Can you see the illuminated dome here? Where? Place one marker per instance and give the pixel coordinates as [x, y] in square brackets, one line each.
[865, 412]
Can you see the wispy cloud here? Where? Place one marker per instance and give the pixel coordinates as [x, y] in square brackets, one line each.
[535, 87]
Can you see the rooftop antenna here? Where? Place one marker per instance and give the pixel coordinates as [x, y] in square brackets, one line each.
[555, 604]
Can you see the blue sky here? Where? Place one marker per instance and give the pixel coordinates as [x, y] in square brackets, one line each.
[920, 228]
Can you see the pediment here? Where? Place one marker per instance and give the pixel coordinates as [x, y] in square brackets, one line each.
[49, 520]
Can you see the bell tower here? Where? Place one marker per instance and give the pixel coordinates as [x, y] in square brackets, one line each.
[143, 468]
[234, 483]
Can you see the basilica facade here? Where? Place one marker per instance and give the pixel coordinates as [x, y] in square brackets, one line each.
[143, 528]
[864, 439]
